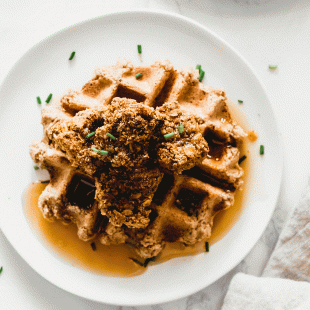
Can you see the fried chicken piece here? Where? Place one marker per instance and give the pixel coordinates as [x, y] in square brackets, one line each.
[139, 134]
[133, 126]
[125, 152]
[126, 168]
[70, 137]
[183, 150]
[125, 195]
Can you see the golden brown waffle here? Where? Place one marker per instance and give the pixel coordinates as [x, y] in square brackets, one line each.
[55, 201]
[186, 201]
[119, 81]
[65, 180]
[183, 213]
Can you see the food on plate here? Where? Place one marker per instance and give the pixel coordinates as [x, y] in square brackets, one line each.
[252, 136]
[141, 156]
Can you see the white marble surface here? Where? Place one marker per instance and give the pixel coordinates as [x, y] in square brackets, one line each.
[265, 32]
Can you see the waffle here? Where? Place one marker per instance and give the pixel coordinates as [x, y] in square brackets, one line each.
[119, 81]
[168, 195]
[59, 200]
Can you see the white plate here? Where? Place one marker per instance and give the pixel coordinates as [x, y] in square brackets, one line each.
[45, 69]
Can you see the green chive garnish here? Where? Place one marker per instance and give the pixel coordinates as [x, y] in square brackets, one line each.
[207, 246]
[72, 55]
[272, 67]
[169, 135]
[139, 75]
[139, 49]
[201, 72]
[241, 159]
[240, 101]
[1, 269]
[261, 150]
[90, 134]
[35, 167]
[181, 128]
[111, 136]
[101, 152]
[201, 75]
[39, 100]
[49, 98]
[93, 246]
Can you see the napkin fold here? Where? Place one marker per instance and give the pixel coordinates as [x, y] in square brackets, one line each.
[285, 282]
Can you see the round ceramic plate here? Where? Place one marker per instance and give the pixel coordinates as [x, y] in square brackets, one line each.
[45, 69]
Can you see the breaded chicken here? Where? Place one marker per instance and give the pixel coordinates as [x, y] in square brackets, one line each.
[124, 148]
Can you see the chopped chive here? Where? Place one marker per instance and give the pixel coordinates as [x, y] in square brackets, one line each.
[148, 260]
[181, 128]
[39, 100]
[93, 246]
[240, 101]
[241, 159]
[1, 269]
[35, 167]
[201, 75]
[139, 49]
[90, 134]
[272, 67]
[72, 55]
[207, 246]
[201, 72]
[101, 152]
[169, 135]
[138, 75]
[137, 261]
[111, 136]
[49, 98]
[261, 150]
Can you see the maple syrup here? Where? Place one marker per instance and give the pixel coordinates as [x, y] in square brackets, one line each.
[115, 260]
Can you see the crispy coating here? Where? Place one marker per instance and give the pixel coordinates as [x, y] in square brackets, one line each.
[128, 175]
[133, 125]
[184, 150]
[124, 195]
[70, 137]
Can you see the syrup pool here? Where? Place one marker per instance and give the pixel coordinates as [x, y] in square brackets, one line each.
[115, 260]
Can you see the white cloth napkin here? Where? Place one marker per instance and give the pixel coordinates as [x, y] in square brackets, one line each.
[285, 283]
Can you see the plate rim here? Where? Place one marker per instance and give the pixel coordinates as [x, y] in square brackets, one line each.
[280, 154]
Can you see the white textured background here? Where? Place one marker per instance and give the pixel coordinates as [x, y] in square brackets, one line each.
[264, 31]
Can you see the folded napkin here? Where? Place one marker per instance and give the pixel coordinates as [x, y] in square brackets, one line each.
[285, 283]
